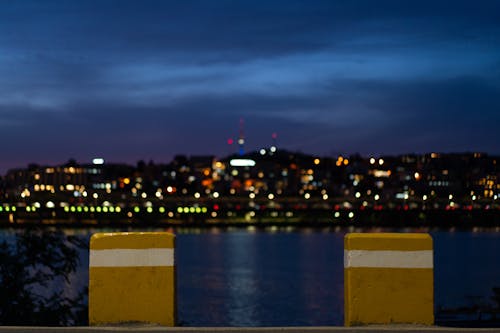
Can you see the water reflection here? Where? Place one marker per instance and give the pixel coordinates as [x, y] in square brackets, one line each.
[241, 267]
[261, 278]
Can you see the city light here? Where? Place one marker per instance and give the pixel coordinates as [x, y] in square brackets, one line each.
[240, 162]
[294, 179]
[381, 173]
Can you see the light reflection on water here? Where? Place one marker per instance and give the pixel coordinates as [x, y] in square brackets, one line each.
[294, 277]
[261, 278]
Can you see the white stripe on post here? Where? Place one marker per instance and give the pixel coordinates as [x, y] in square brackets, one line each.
[157, 257]
[388, 259]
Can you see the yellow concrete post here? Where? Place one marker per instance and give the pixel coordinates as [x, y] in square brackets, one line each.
[132, 278]
[388, 278]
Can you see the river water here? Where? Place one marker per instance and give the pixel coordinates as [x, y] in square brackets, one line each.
[294, 277]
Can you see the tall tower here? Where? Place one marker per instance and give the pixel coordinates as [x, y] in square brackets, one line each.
[274, 136]
[241, 139]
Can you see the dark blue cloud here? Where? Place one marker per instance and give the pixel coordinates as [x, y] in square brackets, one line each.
[133, 80]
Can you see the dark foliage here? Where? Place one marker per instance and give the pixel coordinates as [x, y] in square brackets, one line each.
[33, 266]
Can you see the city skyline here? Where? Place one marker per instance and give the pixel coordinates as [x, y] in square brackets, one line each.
[142, 80]
[259, 187]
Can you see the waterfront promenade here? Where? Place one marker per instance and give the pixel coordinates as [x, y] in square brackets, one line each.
[335, 329]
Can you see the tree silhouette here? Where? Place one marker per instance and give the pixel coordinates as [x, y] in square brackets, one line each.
[30, 264]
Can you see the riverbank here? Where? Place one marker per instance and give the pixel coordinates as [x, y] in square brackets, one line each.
[305, 217]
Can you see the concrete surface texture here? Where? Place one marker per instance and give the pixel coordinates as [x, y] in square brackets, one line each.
[362, 329]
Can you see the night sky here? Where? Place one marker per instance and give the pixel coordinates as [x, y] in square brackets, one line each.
[131, 80]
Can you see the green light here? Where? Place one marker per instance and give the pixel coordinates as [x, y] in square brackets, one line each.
[162, 210]
[198, 210]
[111, 209]
[98, 209]
[204, 209]
[28, 208]
[137, 209]
[85, 209]
[79, 209]
[33, 209]
[1, 208]
[14, 208]
[186, 209]
[66, 209]
[73, 209]
[118, 209]
[150, 209]
[192, 210]
[179, 209]
[92, 209]
[105, 209]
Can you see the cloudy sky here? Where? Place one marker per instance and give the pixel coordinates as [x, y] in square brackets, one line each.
[130, 80]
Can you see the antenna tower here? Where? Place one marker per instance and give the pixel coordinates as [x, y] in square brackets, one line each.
[241, 139]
